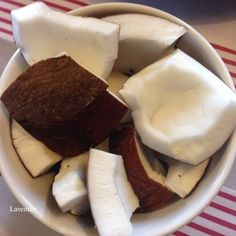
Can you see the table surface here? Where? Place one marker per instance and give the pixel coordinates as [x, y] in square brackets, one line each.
[216, 20]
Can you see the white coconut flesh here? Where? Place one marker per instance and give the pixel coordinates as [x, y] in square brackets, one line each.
[42, 33]
[73, 172]
[116, 81]
[182, 177]
[111, 214]
[180, 108]
[69, 190]
[143, 40]
[69, 187]
[36, 157]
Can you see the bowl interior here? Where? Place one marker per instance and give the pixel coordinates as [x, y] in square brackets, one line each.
[36, 193]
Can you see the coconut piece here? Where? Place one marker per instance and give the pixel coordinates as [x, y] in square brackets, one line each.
[70, 120]
[143, 40]
[36, 157]
[69, 191]
[93, 126]
[69, 187]
[116, 81]
[76, 169]
[180, 108]
[182, 177]
[147, 183]
[51, 91]
[91, 42]
[111, 214]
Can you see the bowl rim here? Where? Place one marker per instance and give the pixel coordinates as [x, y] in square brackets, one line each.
[227, 79]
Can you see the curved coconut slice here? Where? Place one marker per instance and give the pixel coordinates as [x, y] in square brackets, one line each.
[182, 178]
[37, 158]
[143, 40]
[147, 183]
[42, 33]
[116, 81]
[111, 215]
[180, 108]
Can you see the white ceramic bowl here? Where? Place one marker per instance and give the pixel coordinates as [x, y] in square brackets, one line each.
[36, 193]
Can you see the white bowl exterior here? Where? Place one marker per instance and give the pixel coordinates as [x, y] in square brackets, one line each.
[35, 193]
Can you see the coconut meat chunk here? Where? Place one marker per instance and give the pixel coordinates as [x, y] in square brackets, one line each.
[69, 189]
[111, 214]
[41, 33]
[143, 40]
[182, 177]
[180, 108]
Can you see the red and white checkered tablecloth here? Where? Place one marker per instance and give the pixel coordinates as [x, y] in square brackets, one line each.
[219, 218]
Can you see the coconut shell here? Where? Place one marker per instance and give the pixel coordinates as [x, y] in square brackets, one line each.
[51, 91]
[94, 125]
[63, 105]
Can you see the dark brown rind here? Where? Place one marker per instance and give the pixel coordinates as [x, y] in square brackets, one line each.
[51, 91]
[93, 125]
[63, 105]
[150, 193]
